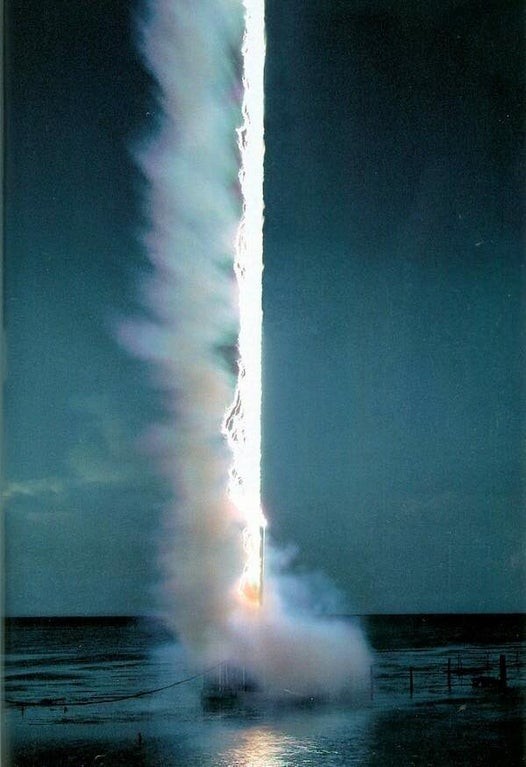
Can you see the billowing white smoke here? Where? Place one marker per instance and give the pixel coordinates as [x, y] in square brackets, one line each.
[191, 164]
[191, 169]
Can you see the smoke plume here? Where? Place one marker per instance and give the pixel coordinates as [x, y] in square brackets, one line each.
[191, 166]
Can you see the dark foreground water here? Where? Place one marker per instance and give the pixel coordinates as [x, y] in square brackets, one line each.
[61, 679]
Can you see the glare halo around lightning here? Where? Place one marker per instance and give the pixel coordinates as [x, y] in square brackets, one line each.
[242, 424]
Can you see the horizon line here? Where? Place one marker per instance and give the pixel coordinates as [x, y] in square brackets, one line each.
[153, 616]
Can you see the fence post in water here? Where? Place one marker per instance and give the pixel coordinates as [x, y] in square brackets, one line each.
[503, 678]
[449, 674]
[411, 684]
[371, 678]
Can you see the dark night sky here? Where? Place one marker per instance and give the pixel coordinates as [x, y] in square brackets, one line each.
[394, 304]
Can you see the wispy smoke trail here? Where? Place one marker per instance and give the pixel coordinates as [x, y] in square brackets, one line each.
[193, 206]
[192, 48]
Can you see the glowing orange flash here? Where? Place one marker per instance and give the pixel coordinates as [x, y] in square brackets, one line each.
[251, 585]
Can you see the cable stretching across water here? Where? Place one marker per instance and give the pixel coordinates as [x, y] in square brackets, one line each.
[50, 703]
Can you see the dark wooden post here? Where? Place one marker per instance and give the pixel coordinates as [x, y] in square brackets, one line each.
[411, 683]
[503, 678]
[449, 674]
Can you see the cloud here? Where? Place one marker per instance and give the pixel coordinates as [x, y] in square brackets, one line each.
[34, 488]
[105, 455]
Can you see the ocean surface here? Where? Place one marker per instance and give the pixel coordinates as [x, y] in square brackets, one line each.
[78, 692]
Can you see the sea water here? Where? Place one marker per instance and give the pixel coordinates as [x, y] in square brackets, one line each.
[77, 692]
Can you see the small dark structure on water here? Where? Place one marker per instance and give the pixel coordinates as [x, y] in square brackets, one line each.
[491, 682]
[228, 685]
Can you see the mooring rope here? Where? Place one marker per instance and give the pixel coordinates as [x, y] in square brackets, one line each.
[55, 702]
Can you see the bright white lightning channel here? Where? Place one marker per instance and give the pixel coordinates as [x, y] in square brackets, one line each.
[242, 423]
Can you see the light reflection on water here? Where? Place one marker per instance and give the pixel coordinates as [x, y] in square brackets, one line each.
[301, 739]
[261, 747]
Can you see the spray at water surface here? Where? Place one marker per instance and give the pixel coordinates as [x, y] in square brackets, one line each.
[204, 171]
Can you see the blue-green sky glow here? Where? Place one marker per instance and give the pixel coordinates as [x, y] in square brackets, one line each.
[394, 302]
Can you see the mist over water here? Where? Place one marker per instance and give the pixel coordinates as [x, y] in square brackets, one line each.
[191, 166]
